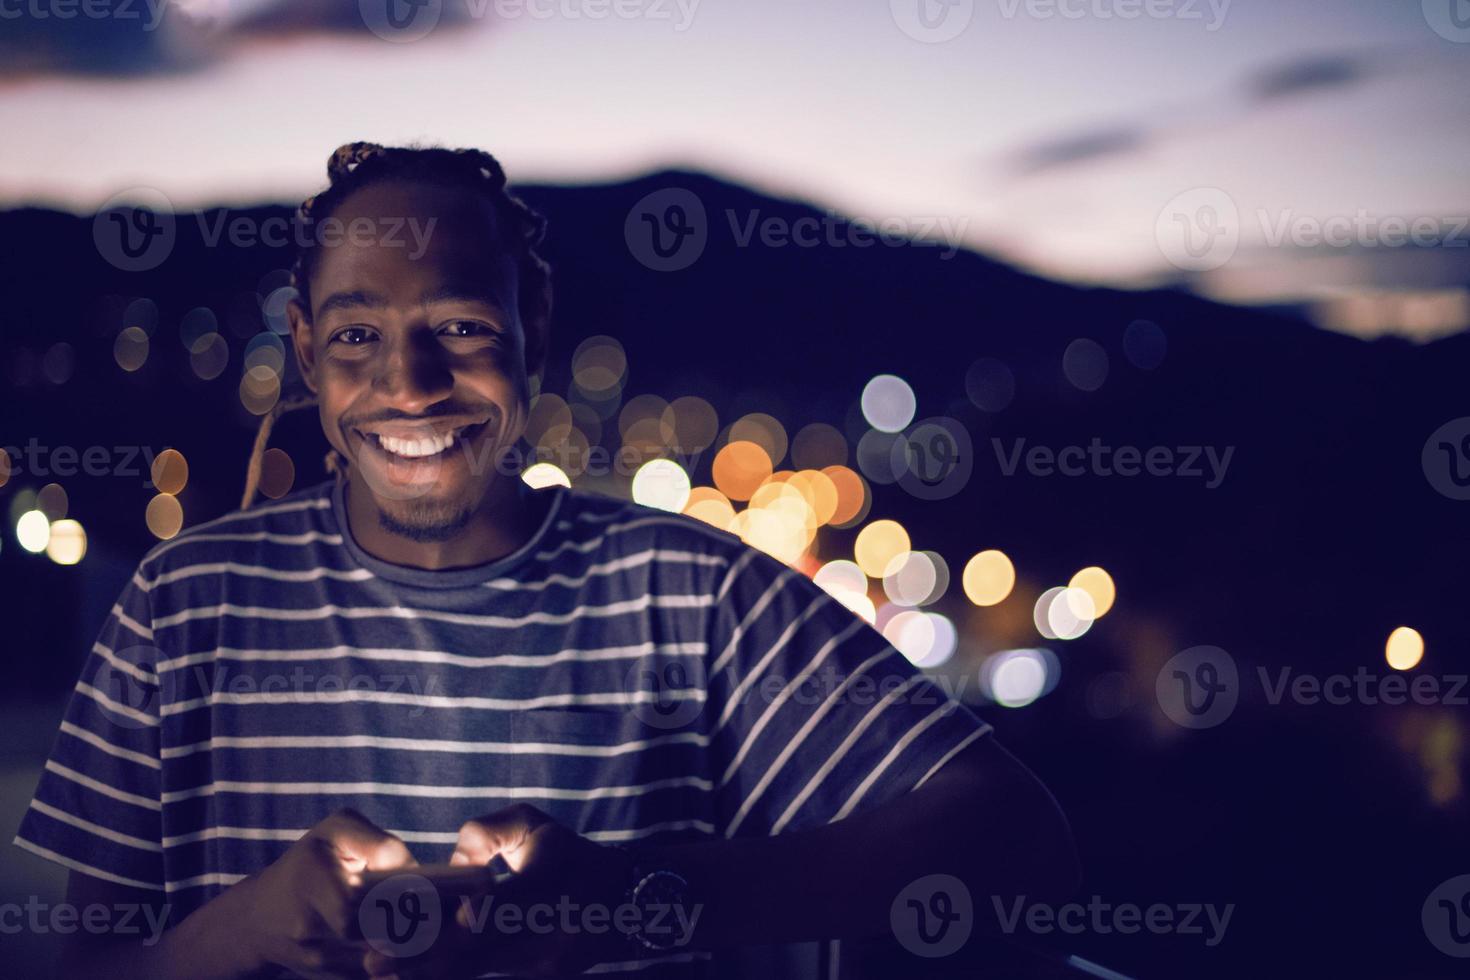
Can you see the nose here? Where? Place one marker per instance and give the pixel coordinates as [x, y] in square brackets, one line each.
[415, 374]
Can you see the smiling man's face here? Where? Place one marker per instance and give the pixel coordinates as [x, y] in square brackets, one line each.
[417, 360]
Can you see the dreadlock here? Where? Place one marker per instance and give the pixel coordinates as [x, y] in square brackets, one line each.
[354, 166]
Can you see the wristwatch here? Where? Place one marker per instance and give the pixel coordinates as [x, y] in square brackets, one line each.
[661, 897]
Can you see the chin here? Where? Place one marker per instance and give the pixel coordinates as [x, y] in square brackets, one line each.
[421, 521]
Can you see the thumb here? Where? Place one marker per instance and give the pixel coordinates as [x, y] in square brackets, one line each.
[358, 839]
[508, 834]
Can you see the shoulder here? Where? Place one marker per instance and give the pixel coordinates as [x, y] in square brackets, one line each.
[300, 518]
[622, 528]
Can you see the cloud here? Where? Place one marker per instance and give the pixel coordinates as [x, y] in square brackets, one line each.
[1300, 77]
[148, 37]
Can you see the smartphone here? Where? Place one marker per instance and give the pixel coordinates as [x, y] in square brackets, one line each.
[444, 879]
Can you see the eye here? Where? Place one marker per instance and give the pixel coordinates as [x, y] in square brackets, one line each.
[354, 336]
[466, 328]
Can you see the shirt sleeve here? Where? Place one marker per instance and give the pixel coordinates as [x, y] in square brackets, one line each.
[813, 715]
[97, 807]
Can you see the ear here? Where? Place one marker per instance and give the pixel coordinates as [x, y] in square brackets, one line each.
[301, 342]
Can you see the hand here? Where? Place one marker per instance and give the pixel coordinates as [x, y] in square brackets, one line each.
[555, 916]
[299, 911]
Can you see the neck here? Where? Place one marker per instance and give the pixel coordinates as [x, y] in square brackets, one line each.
[505, 520]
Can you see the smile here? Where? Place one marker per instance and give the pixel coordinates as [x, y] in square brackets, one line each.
[422, 444]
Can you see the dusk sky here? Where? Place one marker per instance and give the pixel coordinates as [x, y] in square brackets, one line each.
[1049, 132]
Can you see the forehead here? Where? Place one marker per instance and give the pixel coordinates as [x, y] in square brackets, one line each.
[402, 240]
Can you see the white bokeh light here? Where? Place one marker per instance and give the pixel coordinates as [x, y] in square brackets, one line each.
[888, 403]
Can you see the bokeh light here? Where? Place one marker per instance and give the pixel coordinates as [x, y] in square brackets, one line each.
[888, 403]
[599, 365]
[549, 421]
[990, 385]
[52, 501]
[1015, 678]
[878, 544]
[164, 516]
[170, 472]
[541, 475]
[59, 362]
[841, 576]
[818, 446]
[265, 350]
[1085, 364]
[209, 356]
[875, 456]
[197, 324]
[277, 473]
[274, 308]
[1404, 649]
[68, 542]
[130, 349]
[910, 579]
[692, 424]
[33, 531]
[661, 483]
[1144, 344]
[763, 430]
[260, 389]
[1098, 584]
[740, 468]
[1063, 613]
[852, 496]
[988, 578]
[819, 492]
[709, 505]
[926, 639]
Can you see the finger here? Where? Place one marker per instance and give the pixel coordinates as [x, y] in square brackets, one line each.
[361, 841]
[507, 833]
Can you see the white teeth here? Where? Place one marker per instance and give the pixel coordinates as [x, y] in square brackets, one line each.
[417, 448]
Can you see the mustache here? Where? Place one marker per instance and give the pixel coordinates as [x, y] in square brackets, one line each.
[441, 410]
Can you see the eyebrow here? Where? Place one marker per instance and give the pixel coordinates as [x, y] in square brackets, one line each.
[358, 299]
[350, 301]
[453, 293]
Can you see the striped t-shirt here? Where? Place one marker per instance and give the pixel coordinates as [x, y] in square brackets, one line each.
[639, 675]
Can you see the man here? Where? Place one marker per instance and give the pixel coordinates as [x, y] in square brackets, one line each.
[426, 661]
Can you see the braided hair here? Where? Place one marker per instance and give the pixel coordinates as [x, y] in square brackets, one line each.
[354, 166]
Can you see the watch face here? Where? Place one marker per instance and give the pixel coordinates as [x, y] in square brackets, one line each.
[660, 897]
